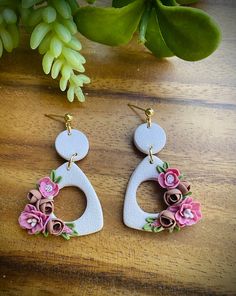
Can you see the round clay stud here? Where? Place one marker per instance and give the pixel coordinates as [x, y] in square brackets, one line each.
[146, 137]
[67, 145]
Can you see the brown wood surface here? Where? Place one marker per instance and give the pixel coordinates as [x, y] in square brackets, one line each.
[194, 103]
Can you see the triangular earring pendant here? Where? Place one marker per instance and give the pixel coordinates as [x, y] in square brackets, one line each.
[181, 210]
[38, 216]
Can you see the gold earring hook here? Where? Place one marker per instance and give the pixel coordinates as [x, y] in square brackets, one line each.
[67, 119]
[149, 112]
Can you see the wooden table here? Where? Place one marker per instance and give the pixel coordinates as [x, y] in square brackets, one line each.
[194, 103]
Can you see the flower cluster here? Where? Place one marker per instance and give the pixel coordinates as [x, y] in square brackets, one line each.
[37, 216]
[182, 210]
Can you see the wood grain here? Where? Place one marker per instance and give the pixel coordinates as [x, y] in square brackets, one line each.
[194, 103]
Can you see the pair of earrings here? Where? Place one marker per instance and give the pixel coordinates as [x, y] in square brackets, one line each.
[181, 210]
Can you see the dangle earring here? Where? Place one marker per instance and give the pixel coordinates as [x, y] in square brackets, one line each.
[181, 210]
[38, 215]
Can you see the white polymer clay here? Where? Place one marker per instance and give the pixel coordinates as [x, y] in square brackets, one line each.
[92, 219]
[144, 138]
[67, 145]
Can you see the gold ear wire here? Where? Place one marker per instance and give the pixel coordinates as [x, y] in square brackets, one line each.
[67, 119]
[149, 112]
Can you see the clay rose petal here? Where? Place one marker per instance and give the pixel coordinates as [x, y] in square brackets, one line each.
[173, 197]
[33, 196]
[161, 180]
[167, 219]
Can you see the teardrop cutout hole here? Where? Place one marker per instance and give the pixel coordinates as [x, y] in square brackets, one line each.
[150, 197]
[70, 203]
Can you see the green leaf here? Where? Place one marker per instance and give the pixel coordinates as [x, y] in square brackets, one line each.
[58, 179]
[52, 175]
[75, 233]
[187, 194]
[150, 220]
[111, 26]
[46, 233]
[169, 2]
[29, 3]
[121, 3]
[160, 169]
[165, 165]
[183, 2]
[74, 6]
[90, 1]
[177, 228]
[147, 227]
[65, 236]
[70, 225]
[158, 229]
[188, 32]
[144, 22]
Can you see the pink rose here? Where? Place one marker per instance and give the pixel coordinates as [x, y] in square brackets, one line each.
[187, 213]
[48, 188]
[55, 226]
[32, 220]
[184, 187]
[169, 179]
[167, 219]
[33, 196]
[67, 230]
[45, 206]
[173, 197]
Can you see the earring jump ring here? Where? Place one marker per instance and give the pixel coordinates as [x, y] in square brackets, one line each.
[71, 161]
[150, 155]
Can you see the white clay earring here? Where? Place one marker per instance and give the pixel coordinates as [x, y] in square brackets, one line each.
[181, 210]
[38, 215]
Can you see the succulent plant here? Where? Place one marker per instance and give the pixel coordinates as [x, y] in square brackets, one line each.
[164, 26]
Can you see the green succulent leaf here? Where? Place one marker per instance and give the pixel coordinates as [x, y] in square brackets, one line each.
[74, 6]
[121, 3]
[183, 2]
[90, 1]
[29, 3]
[189, 33]
[110, 26]
[169, 2]
[144, 22]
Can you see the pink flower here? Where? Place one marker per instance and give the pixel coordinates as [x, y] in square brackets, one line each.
[55, 226]
[187, 213]
[32, 220]
[48, 188]
[167, 219]
[67, 230]
[169, 179]
[33, 196]
[156, 223]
